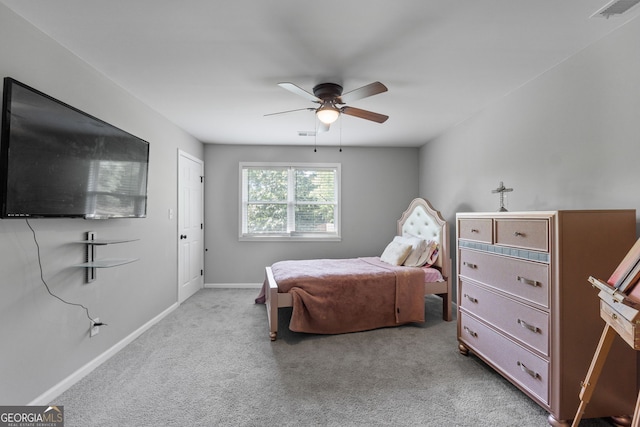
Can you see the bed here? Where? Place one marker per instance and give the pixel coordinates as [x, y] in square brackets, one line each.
[340, 296]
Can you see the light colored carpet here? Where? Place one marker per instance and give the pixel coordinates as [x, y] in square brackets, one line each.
[210, 363]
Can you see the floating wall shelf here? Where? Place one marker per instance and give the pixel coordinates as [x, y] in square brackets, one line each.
[93, 262]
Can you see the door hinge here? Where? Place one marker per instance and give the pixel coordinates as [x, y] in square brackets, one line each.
[201, 226]
[201, 178]
[202, 272]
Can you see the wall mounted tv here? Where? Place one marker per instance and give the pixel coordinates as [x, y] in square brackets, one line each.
[57, 161]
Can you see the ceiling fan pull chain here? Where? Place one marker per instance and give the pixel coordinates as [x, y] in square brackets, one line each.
[341, 133]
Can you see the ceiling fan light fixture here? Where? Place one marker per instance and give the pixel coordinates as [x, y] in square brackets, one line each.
[328, 114]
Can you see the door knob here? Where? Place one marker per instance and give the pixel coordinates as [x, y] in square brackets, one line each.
[183, 236]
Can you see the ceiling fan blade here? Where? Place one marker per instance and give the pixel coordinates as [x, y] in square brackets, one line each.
[290, 111]
[363, 92]
[364, 114]
[299, 91]
[322, 127]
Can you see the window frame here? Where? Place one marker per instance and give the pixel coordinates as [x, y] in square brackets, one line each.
[291, 236]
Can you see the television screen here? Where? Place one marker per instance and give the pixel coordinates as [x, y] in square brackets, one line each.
[56, 161]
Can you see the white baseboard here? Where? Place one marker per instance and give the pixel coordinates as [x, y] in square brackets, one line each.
[55, 391]
[233, 285]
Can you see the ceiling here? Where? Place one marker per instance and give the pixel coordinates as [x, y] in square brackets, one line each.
[212, 67]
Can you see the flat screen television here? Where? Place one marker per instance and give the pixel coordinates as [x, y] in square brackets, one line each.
[57, 161]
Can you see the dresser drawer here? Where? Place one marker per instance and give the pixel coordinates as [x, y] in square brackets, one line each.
[523, 322]
[523, 233]
[523, 367]
[524, 279]
[478, 229]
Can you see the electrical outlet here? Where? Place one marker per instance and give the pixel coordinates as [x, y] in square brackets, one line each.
[94, 330]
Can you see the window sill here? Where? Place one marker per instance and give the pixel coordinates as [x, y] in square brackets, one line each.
[283, 238]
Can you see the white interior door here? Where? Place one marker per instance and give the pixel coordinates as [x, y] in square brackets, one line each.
[190, 225]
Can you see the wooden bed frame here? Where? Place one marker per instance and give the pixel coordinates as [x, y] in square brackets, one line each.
[420, 219]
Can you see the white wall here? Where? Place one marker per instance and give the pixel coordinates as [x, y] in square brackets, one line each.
[43, 341]
[570, 139]
[377, 186]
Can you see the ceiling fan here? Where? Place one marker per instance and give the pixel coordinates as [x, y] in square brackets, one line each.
[332, 102]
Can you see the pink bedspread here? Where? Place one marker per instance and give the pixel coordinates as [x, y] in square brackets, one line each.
[334, 296]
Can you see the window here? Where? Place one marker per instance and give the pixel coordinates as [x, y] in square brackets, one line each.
[290, 201]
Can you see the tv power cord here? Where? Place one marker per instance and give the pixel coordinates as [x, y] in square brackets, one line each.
[93, 322]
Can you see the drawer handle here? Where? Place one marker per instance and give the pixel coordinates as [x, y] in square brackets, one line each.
[518, 234]
[528, 281]
[470, 332]
[531, 372]
[470, 298]
[474, 230]
[528, 326]
[470, 265]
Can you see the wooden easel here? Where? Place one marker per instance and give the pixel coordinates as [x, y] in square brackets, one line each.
[620, 320]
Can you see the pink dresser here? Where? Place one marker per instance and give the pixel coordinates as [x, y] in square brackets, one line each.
[526, 309]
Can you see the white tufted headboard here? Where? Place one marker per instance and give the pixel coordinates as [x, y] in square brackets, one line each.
[422, 220]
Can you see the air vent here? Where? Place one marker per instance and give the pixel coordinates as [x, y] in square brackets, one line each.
[311, 132]
[614, 8]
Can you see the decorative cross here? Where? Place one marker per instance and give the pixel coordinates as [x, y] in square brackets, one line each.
[501, 190]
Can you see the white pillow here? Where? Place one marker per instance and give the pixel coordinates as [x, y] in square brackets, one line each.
[395, 253]
[418, 247]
